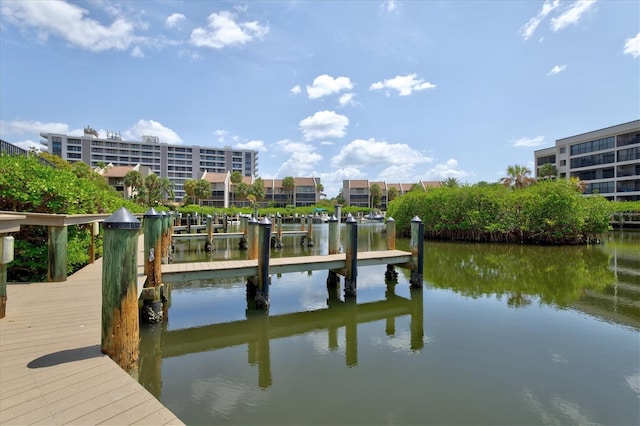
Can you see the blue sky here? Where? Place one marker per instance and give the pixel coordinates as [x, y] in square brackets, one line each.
[380, 90]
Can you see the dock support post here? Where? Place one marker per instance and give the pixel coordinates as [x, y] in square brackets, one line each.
[252, 239]
[120, 327]
[278, 242]
[417, 252]
[391, 275]
[6, 257]
[309, 241]
[208, 245]
[164, 237]
[337, 212]
[351, 257]
[243, 227]
[188, 223]
[152, 308]
[94, 229]
[171, 248]
[225, 223]
[264, 238]
[334, 247]
[57, 265]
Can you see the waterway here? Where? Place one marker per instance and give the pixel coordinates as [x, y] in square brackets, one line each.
[499, 334]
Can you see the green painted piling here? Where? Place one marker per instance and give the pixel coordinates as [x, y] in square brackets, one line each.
[57, 254]
[351, 257]
[120, 326]
[417, 252]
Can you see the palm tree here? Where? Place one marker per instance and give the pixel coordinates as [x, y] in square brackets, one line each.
[375, 193]
[242, 190]
[451, 182]
[166, 189]
[548, 171]
[289, 184]
[257, 190]
[393, 193]
[133, 181]
[202, 190]
[319, 189]
[152, 183]
[236, 178]
[190, 188]
[580, 185]
[518, 177]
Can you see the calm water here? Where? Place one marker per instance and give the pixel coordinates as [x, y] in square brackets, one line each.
[499, 334]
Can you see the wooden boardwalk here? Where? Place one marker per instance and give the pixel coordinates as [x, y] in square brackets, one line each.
[51, 368]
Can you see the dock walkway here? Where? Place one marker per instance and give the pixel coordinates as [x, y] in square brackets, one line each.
[51, 368]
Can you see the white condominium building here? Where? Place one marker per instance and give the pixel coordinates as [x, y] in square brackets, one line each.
[176, 162]
[607, 160]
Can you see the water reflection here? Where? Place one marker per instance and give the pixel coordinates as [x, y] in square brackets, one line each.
[516, 335]
[259, 329]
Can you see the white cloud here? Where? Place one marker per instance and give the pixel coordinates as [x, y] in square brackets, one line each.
[528, 142]
[404, 84]
[324, 85]
[370, 153]
[71, 23]
[256, 145]
[21, 127]
[28, 145]
[390, 5]
[571, 15]
[347, 99]
[557, 69]
[332, 181]
[445, 170]
[296, 90]
[174, 20]
[302, 160]
[223, 31]
[151, 128]
[529, 28]
[632, 46]
[137, 52]
[324, 124]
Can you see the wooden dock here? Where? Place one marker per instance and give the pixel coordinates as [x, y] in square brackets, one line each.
[277, 265]
[51, 368]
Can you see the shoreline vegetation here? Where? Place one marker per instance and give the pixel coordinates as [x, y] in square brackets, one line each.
[550, 211]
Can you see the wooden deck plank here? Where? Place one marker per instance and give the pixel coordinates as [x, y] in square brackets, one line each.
[51, 367]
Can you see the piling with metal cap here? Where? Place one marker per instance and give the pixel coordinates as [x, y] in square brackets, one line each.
[309, 241]
[264, 238]
[417, 252]
[351, 257]
[391, 234]
[252, 239]
[334, 248]
[120, 325]
[278, 242]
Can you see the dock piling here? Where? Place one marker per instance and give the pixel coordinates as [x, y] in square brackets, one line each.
[120, 326]
[417, 252]
[264, 280]
[351, 263]
[334, 248]
[152, 308]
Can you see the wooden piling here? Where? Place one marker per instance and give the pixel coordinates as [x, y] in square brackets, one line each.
[264, 240]
[351, 257]
[391, 234]
[6, 256]
[57, 254]
[417, 252]
[208, 245]
[278, 241]
[164, 238]
[188, 223]
[252, 239]
[120, 326]
[152, 309]
[334, 248]
[309, 240]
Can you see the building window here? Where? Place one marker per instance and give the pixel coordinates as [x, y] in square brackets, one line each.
[597, 145]
[629, 154]
[593, 160]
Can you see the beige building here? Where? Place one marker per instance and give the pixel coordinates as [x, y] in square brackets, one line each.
[114, 175]
[607, 160]
[358, 192]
